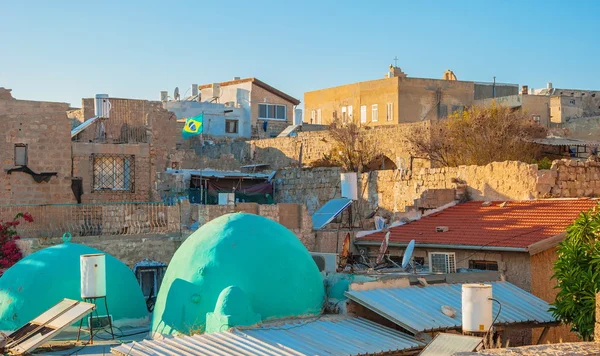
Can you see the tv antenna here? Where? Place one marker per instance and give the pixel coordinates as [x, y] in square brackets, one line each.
[396, 61]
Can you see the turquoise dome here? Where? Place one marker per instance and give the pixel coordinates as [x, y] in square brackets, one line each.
[44, 278]
[262, 258]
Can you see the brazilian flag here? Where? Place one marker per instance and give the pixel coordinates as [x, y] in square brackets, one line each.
[193, 126]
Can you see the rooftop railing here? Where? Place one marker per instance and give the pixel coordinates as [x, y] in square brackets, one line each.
[53, 220]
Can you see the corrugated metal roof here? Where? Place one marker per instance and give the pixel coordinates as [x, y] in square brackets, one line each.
[221, 174]
[449, 344]
[562, 141]
[83, 126]
[328, 335]
[418, 309]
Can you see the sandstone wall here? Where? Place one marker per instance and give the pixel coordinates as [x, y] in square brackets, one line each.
[141, 128]
[394, 191]
[286, 152]
[571, 179]
[45, 130]
[129, 249]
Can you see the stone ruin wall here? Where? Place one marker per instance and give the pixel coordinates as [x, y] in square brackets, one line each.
[284, 152]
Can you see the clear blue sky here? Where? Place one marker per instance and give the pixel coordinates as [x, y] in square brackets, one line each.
[66, 50]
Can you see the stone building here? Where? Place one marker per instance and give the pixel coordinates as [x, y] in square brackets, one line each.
[536, 107]
[35, 152]
[269, 110]
[398, 99]
[567, 104]
[517, 238]
[120, 148]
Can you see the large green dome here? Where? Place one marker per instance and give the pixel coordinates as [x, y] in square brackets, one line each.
[44, 278]
[265, 260]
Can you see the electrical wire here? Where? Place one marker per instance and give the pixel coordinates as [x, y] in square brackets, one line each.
[496, 318]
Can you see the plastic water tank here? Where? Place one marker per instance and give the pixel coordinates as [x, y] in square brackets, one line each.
[349, 185]
[476, 307]
[93, 275]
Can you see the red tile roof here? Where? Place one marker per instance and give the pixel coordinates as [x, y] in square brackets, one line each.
[516, 225]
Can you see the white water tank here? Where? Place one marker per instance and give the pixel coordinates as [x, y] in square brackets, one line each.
[102, 107]
[298, 117]
[349, 185]
[476, 307]
[93, 275]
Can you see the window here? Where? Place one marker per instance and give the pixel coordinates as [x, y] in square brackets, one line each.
[483, 265]
[363, 114]
[231, 126]
[319, 117]
[20, 154]
[572, 102]
[272, 112]
[350, 113]
[389, 114]
[536, 118]
[113, 172]
[456, 108]
[374, 113]
[442, 262]
[344, 114]
[443, 111]
[149, 275]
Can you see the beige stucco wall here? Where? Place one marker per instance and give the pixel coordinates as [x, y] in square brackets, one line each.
[419, 98]
[543, 286]
[258, 96]
[514, 265]
[413, 99]
[331, 100]
[537, 105]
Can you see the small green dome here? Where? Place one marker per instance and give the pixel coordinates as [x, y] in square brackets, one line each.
[44, 278]
[262, 258]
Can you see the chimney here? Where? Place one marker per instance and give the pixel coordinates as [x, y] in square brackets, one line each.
[524, 90]
[549, 85]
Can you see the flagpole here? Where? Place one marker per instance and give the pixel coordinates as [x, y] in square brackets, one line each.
[202, 193]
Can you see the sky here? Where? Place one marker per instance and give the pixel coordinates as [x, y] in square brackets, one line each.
[65, 50]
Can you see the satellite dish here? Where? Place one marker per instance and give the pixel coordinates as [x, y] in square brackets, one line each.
[379, 223]
[383, 248]
[408, 253]
[176, 94]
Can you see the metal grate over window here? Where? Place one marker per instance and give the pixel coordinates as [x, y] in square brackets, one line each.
[113, 172]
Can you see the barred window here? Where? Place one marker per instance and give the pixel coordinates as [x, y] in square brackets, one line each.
[113, 172]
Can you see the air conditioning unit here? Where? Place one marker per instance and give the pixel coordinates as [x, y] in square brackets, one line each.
[226, 198]
[326, 262]
[442, 262]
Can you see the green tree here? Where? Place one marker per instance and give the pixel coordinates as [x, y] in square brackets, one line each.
[577, 272]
